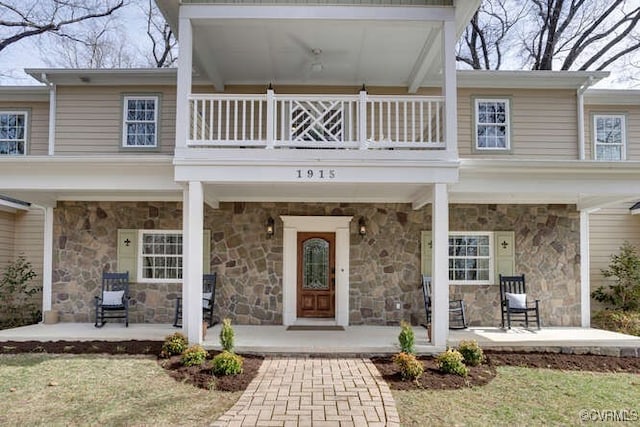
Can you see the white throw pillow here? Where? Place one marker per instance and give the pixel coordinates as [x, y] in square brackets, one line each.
[206, 299]
[516, 300]
[112, 297]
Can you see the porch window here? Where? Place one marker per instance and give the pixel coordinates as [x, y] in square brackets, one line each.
[13, 133]
[160, 256]
[492, 124]
[470, 260]
[140, 121]
[609, 136]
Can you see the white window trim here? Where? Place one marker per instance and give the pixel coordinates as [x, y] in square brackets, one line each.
[507, 123]
[125, 110]
[623, 145]
[140, 256]
[26, 130]
[492, 256]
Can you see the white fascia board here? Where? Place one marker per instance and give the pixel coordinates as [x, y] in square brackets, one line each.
[465, 9]
[203, 12]
[612, 97]
[527, 79]
[108, 173]
[108, 77]
[9, 206]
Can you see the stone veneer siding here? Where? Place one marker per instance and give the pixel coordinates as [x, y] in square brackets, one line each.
[385, 264]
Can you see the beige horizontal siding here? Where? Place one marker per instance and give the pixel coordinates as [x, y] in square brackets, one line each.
[38, 125]
[543, 123]
[609, 229]
[7, 220]
[29, 238]
[632, 114]
[89, 119]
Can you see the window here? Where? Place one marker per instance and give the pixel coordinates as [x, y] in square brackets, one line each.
[492, 124]
[470, 258]
[13, 133]
[609, 136]
[160, 256]
[140, 124]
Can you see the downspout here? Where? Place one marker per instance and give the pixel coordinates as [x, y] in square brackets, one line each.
[52, 113]
[581, 143]
[47, 258]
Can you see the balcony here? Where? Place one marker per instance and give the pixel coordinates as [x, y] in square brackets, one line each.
[361, 122]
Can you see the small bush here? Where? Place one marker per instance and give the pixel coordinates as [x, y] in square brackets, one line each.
[174, 344]
[624, 271]
[17, 292]
[227, 363]
[451, 362]
[193, 356]
[406, 338]
[410, 367]
[226, 336]
[625, 322]
[471, 352]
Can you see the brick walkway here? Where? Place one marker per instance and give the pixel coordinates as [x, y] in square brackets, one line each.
[314, 392]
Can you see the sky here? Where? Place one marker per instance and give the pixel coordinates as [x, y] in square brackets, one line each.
[131, 26]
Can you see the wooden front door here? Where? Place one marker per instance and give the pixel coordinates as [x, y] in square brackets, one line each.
[316, 274]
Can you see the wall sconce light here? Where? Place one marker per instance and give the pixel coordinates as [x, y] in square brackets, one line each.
[362, 227]
[270, 227]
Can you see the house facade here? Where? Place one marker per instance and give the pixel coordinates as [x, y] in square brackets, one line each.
[319, 158]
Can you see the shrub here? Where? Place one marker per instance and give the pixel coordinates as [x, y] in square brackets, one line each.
[226, 336]
[406, 338]
[625, 322]
[410, 367]
[193, 356]
[624, 293]
[16, 294]
[471, 352]
[174, 344]
[227, 363]
[450, 362]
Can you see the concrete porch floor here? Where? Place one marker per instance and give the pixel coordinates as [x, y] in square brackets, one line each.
[354, 340]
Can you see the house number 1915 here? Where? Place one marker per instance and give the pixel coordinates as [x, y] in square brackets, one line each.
[315, 173]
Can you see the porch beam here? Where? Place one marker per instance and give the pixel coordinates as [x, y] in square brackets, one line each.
[440, 266]
[423, 198]
[210, 199]
[193, 223]
[592, 203]
[425, 60]
[293, 12]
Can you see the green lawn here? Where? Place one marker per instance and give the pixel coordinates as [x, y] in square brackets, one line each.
[44, 389]
[523, 396]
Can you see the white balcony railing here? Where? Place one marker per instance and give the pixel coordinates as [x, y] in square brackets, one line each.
[316, 121]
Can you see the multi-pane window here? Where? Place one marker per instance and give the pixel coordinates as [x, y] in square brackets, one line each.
[160, 255]
[609, 136]
[470, 258]
[140, 121]
[13, 133]
[492, 124]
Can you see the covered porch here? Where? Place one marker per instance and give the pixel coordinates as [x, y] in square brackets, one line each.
[353, 340]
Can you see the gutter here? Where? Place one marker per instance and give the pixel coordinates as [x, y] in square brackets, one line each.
[580, 106]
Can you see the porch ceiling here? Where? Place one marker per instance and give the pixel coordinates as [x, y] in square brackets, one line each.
[315, 52]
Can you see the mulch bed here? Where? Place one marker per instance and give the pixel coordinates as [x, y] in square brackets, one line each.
[200, 376]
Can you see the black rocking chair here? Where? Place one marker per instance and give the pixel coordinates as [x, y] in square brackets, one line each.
[457, 314]
[208, 299]
[113, 301]
[514, 302]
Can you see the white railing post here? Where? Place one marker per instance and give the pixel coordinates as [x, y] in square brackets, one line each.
[271, 109]
[362, 120]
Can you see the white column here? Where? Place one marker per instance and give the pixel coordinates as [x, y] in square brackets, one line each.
[289, 274]
[585, 265]
[52, 119]
[362, 120]
[342, 276]
[185, 255]
[192, 262]
[449, 88]
[47, 260]
[183, 90]
[271, 118]
[440, 266]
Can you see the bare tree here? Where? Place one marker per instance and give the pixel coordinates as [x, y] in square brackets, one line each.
[552, 34]
[20, 19]
[163, 41]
